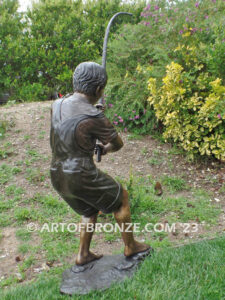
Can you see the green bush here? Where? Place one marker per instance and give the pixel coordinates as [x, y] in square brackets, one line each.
[192, 108]
[180, 46]
[127, 102]
[11, 29]
[40, 49]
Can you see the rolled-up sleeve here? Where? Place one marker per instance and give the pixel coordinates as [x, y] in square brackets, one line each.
[103, 130]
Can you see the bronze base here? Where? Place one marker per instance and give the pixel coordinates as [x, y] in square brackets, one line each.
[100, 274]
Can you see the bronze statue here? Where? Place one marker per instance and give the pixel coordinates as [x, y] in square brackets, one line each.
[76, 124]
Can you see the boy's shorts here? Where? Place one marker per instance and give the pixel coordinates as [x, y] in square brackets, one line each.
[87, 189]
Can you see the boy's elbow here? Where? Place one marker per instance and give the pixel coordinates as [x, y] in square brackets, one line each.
[117, 143]
[120, 145]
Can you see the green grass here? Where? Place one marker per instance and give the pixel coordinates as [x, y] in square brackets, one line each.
[174, 183]
[6, 150]
[26, 137]
[194, 271]
[35, 175]
[24, 248]
[175, 150]
[7, 172]
[5, 125]
[154, 161]
[13, 190]
[41, 134]
[134, 136]
[147, 207]
[222, 189]
[23, 235]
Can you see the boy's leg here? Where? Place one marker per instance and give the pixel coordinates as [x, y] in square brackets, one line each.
[123, 217]
[85, 255]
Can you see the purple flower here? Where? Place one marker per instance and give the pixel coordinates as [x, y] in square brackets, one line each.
[181, 81]
[125, 129]
[116, 123]
[206, 17]
[137, 117]
[115, 115]
[185, 28]
[121, 120]
[197, 4]
[214, 1]
[110, 105]
[194, 29]
[147, 7]
[156, 7]
[147, 23]
[186, 19]
[134, 111]
[181, 32]
[219, 116]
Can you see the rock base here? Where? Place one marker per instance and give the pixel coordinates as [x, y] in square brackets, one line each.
[100, 274]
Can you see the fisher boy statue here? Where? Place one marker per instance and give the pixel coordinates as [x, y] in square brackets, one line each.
[76, 125]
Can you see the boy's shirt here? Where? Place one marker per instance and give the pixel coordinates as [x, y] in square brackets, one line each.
[91, 125]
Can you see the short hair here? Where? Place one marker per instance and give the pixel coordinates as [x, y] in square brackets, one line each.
[87, 77]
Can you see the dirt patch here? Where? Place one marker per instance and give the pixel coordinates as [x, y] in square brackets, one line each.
[8, 252]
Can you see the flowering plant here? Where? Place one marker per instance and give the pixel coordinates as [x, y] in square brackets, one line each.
[127, 103]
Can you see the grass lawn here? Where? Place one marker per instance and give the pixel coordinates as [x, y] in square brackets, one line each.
[194, 271]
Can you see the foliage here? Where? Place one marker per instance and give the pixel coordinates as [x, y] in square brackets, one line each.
[3, 128]
[180, 46]
[127, 105]
[192, 108]
[40, 49]
[10, 33]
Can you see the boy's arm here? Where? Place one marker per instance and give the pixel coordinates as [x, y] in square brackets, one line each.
[105, 132]
[115, 145]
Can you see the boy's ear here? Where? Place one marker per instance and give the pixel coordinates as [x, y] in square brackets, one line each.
[98, 90]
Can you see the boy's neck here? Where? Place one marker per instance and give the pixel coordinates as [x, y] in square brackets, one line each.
[91, 99]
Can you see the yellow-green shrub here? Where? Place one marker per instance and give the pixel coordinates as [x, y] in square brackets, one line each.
[191, 106]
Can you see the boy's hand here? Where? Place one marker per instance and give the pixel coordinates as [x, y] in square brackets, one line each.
[102, 148]
[100, 107]
[99, 151]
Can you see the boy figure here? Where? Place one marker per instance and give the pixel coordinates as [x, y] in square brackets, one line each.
[76, 124]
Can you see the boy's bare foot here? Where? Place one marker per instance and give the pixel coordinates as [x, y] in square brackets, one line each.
[84, 259]
[135, 248]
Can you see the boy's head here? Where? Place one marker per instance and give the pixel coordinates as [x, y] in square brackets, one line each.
[88, 78]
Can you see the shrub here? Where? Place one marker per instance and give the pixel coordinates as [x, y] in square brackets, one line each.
[192, 108]
[127, 103]
[57, 35]
[180, 45]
